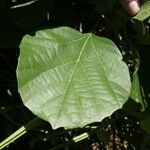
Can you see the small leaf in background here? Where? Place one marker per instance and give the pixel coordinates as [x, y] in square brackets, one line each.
[136, 91]
[145, 124]
[138, 20]
[144, 12]
[71, 79]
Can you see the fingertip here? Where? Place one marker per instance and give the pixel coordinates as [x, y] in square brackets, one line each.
[132, 6]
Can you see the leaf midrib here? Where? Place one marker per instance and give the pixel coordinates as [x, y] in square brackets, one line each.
[71, 77]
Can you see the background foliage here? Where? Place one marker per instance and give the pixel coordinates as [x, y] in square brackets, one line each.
[126, 128]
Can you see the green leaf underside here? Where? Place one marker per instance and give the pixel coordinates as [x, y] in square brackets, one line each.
[144, 12]
[135, 90]
[145, 124]
[71, 79]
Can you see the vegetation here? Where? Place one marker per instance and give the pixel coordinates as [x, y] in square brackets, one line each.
[74, 74]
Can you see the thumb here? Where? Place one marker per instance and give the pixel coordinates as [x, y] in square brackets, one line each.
[132, 6]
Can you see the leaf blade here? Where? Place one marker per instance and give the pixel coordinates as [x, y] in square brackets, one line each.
[74, 81]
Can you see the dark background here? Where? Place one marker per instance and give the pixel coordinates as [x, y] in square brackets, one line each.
[17, 19]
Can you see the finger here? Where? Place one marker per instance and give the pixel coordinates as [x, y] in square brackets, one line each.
[132, 6]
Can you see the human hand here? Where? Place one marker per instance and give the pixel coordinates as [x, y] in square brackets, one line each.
[132, 6]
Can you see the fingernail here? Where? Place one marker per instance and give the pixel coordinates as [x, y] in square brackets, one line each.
[133, 7]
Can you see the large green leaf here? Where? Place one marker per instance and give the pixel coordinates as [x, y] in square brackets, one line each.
[71, 79]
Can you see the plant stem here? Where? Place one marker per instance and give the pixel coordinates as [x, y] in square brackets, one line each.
[80, 137]
[20, 132]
